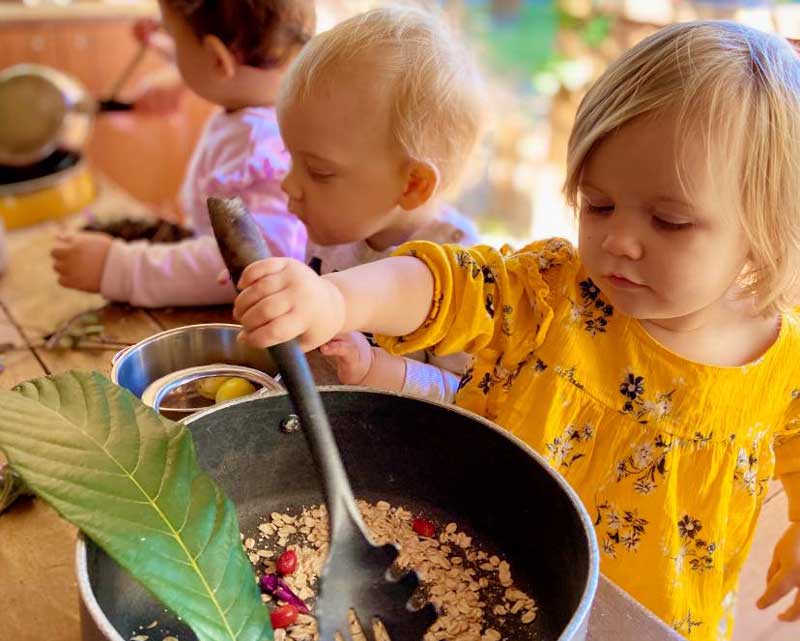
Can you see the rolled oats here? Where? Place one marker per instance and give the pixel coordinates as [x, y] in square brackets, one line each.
[473, 591]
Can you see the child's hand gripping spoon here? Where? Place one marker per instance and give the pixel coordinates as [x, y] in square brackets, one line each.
[356, 574]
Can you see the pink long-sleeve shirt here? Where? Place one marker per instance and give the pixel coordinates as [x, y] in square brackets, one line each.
[239, 154]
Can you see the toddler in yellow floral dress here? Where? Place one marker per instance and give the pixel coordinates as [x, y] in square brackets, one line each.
[657, 366]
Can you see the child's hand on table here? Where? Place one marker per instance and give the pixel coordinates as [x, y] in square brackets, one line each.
[352, 355]
[282, 299]
[783, 575]
[79, 259]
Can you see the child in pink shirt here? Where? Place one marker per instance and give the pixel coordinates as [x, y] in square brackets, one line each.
[234, 55]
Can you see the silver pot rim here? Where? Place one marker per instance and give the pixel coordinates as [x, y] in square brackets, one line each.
[157, 391]
[87, 594]
[119, 357]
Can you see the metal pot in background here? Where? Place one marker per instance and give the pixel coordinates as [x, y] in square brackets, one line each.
[178, 355]
[46, 117]
[436, 460]
[43, 110]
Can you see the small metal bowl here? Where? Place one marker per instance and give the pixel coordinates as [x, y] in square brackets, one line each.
[175, 397]
[175, 351]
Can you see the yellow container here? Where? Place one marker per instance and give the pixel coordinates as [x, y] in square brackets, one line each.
[54, 196]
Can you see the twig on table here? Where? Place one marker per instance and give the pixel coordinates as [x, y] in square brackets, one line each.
[69, 329]
[82, 332]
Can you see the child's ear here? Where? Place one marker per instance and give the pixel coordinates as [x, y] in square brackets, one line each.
[224, 61]
[421, 183]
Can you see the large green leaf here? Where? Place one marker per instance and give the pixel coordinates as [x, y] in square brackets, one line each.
[129, 479]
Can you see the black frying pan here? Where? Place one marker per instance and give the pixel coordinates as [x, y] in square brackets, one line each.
[433, 459]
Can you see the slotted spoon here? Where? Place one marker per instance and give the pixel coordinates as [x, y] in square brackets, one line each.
[357, 574]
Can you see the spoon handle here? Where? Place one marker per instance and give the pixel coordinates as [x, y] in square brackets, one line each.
[241, 243]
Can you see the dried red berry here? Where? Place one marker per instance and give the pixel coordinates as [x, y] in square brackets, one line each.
[283, 616]
[424, 527]
[286, 563]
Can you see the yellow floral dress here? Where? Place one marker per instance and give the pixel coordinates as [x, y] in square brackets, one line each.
[670, 457]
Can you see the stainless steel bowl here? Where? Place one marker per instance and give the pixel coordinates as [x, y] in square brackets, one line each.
[137, 367]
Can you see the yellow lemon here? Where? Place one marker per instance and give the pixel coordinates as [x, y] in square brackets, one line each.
[234, 388]
[209, 386]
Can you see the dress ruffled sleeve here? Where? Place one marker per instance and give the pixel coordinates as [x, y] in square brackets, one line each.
[483, 297]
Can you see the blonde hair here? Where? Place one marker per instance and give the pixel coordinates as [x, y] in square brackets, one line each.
[435, 92]
[739, 89]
